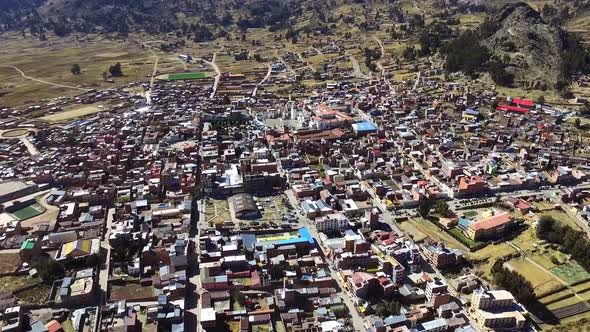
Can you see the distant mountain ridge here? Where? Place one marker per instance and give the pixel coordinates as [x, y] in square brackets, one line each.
[152, 16]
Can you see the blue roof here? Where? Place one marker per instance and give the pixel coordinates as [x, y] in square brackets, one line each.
[435, 324]
[471, 111]
[164, 270]
[304, 235]
[38, 326]
[162, 299]
[365, 126]
[66, 282]
[464, 222]
[249, 241]
[178, 327]
[394, 320]
[465, 329]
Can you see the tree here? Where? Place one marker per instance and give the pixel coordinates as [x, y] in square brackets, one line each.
[424, 208]
[541, 100]
[465, 53]
[76, 69]
[500, 75]
[544, 226]
[92, 260]
[48, 269]
[387, 309]
[409, 53]
[276, 272]
[571, 241]
[514, 282]
[240, 298]
[577, 123]
[442, 208]
[227, 19]
[116, 70]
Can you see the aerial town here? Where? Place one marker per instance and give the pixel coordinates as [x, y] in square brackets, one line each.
[222, 199]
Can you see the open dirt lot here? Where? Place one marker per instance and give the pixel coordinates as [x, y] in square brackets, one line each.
[71, 114]
[130, 292]
[51, 61]
[9, 262]
[14, 133]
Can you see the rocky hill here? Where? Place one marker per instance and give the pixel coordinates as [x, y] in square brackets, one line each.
[518, 47]
[537, 54]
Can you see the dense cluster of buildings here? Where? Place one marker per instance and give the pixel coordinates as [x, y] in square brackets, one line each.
[260, 213]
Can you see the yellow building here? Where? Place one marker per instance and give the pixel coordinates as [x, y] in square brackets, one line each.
[470, 115]
[80, 248]
[489, 227]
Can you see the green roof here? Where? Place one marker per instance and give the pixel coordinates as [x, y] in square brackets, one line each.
[28, 245]
[187, 76]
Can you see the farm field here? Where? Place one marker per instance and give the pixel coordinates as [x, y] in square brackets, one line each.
[130, 292]
[542, 281]
[570, 272]
[34, 296]
[13, 283]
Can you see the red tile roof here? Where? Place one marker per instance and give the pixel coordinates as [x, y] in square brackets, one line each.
[492, 222]
[512, 108]
[53, 326]
[523, 102]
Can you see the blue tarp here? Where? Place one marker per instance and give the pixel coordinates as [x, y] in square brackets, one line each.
[364, 126]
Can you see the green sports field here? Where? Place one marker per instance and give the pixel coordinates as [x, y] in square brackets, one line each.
[28, 212]
[187, 76]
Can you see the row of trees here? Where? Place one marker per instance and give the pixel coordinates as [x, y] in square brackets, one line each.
[370, 56]
[441, 208]
[50, 270]
[115, 70]
[465, 54]
[388, 309]
[513, 282]
[572, 241]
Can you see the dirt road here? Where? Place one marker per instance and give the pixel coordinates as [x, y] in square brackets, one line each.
[42, 81]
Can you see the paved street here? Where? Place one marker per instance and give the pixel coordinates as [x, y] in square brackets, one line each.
[357, 320]
[104, 272]
[193, 303]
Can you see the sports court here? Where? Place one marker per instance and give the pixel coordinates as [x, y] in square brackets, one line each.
[187, 76]
[28, 212]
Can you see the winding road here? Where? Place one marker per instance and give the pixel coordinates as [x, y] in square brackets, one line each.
[280, 58]
[418, 76]
[307, 65]
[255, 91]
[42, 81]
[217, 71]
[380, 65]
[355, 65]
[148, 94]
